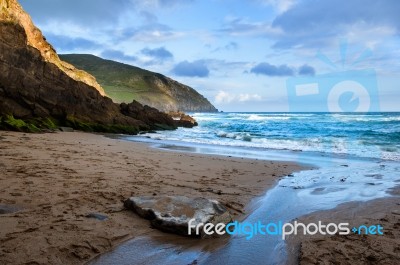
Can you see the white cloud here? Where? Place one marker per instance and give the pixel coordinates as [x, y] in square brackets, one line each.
[225, 97]
[280, 5]
[156, 35]
[371, 36]
[248, 97]
[235, 26]
[161, 3]
[72, 29]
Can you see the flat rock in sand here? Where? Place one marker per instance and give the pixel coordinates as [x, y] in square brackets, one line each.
[6, 209]
[172, 213]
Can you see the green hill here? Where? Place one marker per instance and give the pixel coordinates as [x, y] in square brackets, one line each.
[124, 83]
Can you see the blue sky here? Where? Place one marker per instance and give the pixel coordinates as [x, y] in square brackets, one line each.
[243, 55]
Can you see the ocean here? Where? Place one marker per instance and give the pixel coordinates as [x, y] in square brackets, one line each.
[374, 135]
[355, 158]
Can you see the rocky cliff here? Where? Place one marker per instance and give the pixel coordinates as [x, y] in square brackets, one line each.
[38, 90]
[11, 11]
[123, 83]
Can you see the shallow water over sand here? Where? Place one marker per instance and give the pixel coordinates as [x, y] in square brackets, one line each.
[338, 179]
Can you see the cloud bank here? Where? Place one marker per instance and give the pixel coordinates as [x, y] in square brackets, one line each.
[191, 69]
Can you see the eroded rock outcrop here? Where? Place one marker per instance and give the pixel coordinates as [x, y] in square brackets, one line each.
[183, 120]
[149, 115]
[173, 213]
[38, 90]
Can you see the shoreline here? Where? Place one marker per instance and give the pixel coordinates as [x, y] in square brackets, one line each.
[382, 210]
[352, 248]
[61, 181]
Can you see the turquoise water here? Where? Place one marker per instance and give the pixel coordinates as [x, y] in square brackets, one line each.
[356, 157]
[374, 135]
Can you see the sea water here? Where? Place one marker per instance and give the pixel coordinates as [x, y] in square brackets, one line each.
[374, 135]
[356, 158]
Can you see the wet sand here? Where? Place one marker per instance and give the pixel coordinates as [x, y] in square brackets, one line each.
[56, 188]
[352, 249]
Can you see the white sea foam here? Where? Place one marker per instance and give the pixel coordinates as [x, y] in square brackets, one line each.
[255, 117]
[352, 134]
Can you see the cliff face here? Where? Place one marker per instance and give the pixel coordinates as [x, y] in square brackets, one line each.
[180, 97]
[37, 87]
[123, 83]
[12, 12]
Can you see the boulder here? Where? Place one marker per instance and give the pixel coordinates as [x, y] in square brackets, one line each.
[182, 120]
[66, 129]
[151, 116]
[173, 213]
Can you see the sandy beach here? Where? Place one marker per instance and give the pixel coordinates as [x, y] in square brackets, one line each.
[352, 249]
[284, 115]
[57, 183]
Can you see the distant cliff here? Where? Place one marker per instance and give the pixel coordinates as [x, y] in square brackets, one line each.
[39, 91]
[123, 83]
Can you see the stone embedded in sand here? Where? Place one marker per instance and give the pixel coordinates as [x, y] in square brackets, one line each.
[66, 129]
[6, 209]
[98, 216]
[172, 213]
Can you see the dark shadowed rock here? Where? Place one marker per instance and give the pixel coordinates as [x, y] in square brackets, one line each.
[183, 120]
[172, 213]
[66, 129]
[149, 115]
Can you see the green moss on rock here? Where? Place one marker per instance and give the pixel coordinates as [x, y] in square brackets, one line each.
[10, 123]
[159, 126]
[77, 124]
[49, 123]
